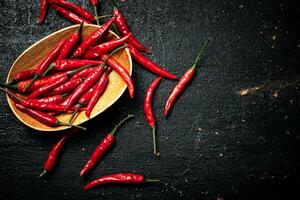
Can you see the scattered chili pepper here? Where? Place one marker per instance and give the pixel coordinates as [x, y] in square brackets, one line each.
[123, 27]
[44, 64]
[68, 86]
[92, 39]
[149, 112]
[70, 43]
[69, 64]
[102, 148]
[21, 76]
[149, 65]
[101, 85]
[70, 15]
[122, 72]
[44, 117]
[43, 10]
[77, 9]
[55, 150]
[106, 47]
[127, 178]
[185, 79]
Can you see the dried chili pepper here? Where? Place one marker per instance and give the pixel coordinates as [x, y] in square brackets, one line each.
[100, 88]
[92, 39]
[69, 64]
[70, 43]
[149, 65]
[72, 17]
[102, 148]
[149, 112]
[122, 72]
[127, 178]
[55, 150]
[68, 86]
[43, 10]
[185, 79]
[77, 9]
[44, 64]
[22, 75]
[106, 47]
[44, 118]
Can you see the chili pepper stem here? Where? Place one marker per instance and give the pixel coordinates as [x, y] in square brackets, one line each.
[13, 87]
[43, 173]
[96, 14]
[151, 180]
[12, 94]
[31, 82]
[154, 140]
[80, 28]
[120, 124]
[200, 54]
[74, 114]
[49, 69]
[103, 16]
[72, 125]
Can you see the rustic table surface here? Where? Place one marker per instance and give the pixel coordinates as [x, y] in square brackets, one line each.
[233, 134]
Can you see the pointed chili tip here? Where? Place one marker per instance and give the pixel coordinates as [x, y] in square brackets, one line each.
[82, 172]
[43, 173]
[87, 187]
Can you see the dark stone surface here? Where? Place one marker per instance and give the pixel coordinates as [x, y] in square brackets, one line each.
[215, 144]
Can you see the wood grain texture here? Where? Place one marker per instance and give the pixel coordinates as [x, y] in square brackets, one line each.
[215, 144]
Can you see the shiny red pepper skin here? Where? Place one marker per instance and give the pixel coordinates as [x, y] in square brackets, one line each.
[83, 87]
[51, 99]
[23, 75]
[77, 9]
[100, 88]
[68, 86]
[43, 10]
[83, 73]
[36, 105]
[178, 89]
[122, 72]
[70, 15]
[149, 65]
[69, 64]
[48, 87]
[92, 39]
[127, 178]
[122, 26]
[70, 43]
[106, 47]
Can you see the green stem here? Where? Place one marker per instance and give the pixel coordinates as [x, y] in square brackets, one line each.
[79, 28]
[151, 180]
[31, 82]
[11, 94]
[72, 125]
[200, 54]
[116, 29]
[74, 113]
[77, 70]
[96, 15]
[52, 65]
[13, 87]
[120, 124]
[115, 6]
[154, 140]
[112, 53]
[103, 16]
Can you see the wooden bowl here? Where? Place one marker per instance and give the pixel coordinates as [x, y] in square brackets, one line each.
[32, 56]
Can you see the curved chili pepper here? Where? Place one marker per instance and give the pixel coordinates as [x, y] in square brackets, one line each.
[106, 47]
[68, 64]
[22, 75]
[55, 150]
[77, 9]
[149, 65]
[44, 117]
[70, 43]
[43, 10]
[92, 39]
[72, 17]
[66, 87]
[123, 27]
[44, 64]
[100, 88]
[83, 73]
[122, 72]
[149, 112]
[102, 148]
[185, 79]
[52, 99]
[127, 178]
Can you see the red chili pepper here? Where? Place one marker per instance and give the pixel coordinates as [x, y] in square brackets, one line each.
[55, 150]
[127, 178]
[123, 27]
[100, 88]
[83, 73]
[66, 87]
[70, 43]
[149, 65]
[69, 64]
[43, 10]
[122, 72]
[102, 148]
[52, 99]
[185, 79]
[92, 39]
[106, 47]
[149, 112]
[94, 2]
[72, 17]
[44, 64]
[44, 117]
[77, 9]
[23, 75]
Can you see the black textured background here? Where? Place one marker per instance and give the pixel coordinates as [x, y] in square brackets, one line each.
[216, 144]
